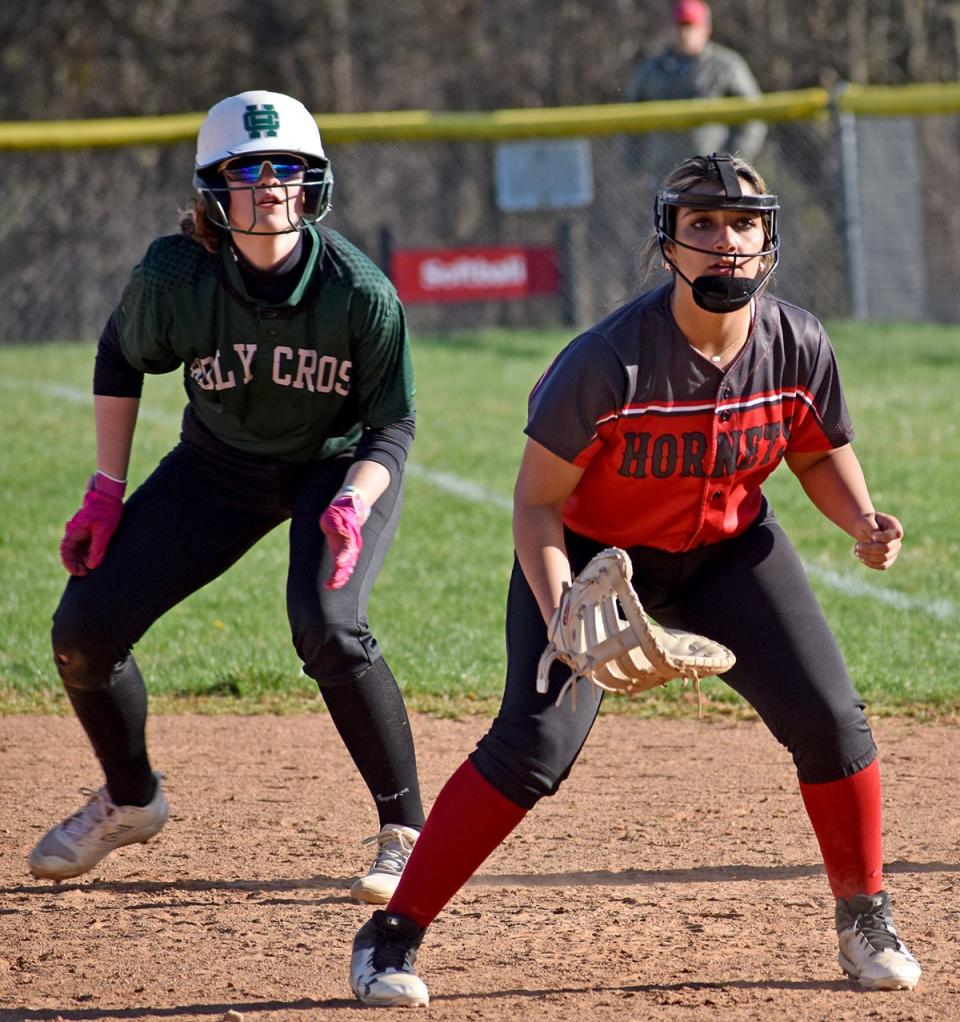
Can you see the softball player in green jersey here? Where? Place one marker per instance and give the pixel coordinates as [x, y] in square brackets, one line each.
[295, 360]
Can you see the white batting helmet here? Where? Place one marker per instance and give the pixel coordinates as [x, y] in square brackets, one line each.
[259, 121]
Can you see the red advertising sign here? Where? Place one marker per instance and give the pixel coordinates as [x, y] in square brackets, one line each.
[473, 274]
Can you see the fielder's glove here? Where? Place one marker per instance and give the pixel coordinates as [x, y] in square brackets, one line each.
[621, 650]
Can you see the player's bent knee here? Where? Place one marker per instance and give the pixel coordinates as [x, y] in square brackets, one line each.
[522, 778]
[73, 666]
[334, 657]
[81, 665]
[335, 668]
[829, 755]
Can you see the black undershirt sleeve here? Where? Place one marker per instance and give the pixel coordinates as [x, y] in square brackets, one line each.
[389, 445]
[113, 376]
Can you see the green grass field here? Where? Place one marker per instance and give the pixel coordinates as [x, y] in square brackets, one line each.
[438, 606]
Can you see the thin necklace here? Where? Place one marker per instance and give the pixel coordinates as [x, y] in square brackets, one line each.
[737, 340]
[719, 355]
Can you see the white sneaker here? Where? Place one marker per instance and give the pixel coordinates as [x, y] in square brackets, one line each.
[394, 845]
[871, 952]
[80, 841]
[381, 967]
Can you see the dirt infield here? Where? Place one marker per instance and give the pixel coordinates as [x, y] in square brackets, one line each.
[675, 877]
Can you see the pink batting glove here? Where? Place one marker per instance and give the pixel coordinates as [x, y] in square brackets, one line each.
[341, 524]
[88, 533]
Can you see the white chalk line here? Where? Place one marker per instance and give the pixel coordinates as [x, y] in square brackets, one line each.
[849, 585]
[941, 608]
[458, 487]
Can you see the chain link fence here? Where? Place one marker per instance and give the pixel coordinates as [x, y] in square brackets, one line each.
[868, 227]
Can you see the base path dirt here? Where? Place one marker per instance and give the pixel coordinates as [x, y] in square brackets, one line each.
[674, 877]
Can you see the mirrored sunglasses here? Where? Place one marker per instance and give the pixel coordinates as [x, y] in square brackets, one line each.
[248, 170]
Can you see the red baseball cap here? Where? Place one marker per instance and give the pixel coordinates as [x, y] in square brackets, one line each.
[691, 12]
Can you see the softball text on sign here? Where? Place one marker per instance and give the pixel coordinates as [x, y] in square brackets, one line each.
[473, 274]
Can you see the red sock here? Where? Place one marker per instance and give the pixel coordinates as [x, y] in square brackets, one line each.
[467, 822]
[846, 817]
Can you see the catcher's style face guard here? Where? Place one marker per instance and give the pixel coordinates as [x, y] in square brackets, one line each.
[724, 293]
[262, 124]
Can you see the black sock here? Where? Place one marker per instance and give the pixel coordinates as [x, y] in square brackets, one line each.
[115, 719]
[372, 720]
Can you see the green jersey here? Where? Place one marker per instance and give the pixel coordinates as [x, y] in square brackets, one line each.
[299, 380]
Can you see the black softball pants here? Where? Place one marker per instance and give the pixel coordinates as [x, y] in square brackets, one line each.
[195, 516]
[750, 593]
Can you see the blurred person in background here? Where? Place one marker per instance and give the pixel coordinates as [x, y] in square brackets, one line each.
[692, 67]
[295, 359]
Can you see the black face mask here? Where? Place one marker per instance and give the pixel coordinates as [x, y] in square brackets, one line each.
[725, 294]
[721, 293]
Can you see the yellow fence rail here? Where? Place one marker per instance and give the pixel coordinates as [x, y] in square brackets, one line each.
[424, 125]
[900, 100]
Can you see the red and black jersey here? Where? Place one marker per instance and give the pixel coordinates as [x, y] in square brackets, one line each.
[675, 448]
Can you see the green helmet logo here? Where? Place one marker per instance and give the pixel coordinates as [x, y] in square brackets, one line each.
[258, 121]
[261, 121]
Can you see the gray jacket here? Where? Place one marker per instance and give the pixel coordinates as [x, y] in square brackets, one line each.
[717, 71]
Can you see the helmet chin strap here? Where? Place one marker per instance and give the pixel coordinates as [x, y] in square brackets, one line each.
[720, 292]
[725, 294]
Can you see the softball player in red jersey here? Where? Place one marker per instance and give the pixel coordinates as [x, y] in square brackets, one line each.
[295, 359]
[654, 431]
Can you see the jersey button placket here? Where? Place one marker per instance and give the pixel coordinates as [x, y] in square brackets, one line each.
[268, 324]
[714, 509]
[708, 498]
[724, 394]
